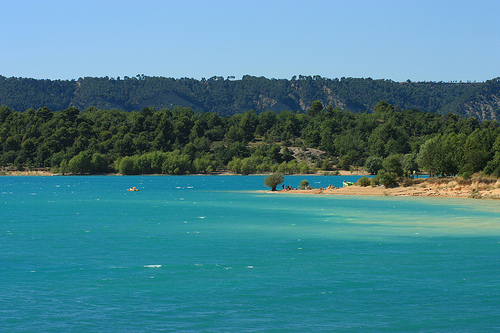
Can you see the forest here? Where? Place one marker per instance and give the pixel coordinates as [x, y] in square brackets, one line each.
[228, 96]
[386, 141]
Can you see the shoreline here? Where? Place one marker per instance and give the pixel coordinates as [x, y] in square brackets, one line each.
[48, 173]
[449, 188]
[28, 173]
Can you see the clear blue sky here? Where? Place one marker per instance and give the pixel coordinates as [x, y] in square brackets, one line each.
[420, 40]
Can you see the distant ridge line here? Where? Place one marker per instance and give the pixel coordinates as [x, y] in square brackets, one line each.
[228, 96]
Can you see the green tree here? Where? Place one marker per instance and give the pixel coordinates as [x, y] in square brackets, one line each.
[176, 163]
[63, 167]
[313, 138]
[428, 155]
[126, 166]
[410, 163]
[326, 165]
[442, 155]
[274, 153]
[373, 164]
[4, 113]
[205, 164]
[234, 134]
[304, 167]
[267, 120]
[345, 162]
[287, 155]
[273, 180]
[315, 110]
[235, 165]
[493, 166]
[478, 150]
[80, 164]
[248, 124]
[392, 164]
[99, 163]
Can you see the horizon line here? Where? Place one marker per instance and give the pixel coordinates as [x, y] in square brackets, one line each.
[233, 78]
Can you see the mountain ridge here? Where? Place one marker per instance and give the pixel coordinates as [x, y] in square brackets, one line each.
[230, 96]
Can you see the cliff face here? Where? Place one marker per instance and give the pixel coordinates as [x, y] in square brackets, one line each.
[227, 97]
[485, 105]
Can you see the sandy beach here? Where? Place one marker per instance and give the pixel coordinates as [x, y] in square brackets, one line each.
[26, 173]
[423, 188]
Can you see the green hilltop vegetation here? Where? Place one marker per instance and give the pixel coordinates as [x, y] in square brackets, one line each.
[387, 141]
[226, 97]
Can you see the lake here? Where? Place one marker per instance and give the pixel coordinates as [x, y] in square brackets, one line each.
[220, 254]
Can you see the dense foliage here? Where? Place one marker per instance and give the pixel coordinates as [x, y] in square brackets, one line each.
[229, 96]
[180, 141]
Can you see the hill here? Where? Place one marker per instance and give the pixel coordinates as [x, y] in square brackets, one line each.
[229, 96]
[180, 141]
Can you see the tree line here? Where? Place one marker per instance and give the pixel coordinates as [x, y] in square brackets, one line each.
[180, 141]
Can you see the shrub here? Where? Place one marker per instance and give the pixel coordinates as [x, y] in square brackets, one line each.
[466, 175]
[476, 194]
[304, 184]
[364, 181]
[386, 179]
[407, 182]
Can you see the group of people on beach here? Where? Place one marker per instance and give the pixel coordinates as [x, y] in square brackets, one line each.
[289, 188]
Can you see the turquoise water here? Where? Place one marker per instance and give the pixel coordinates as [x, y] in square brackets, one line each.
[211, 254]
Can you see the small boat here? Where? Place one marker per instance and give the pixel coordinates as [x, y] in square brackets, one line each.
[133, 189]
[345, 184]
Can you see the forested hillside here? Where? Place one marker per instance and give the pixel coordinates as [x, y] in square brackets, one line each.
[229, 96]
[179, 141]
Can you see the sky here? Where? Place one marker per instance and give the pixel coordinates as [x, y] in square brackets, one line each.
[419, 40]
